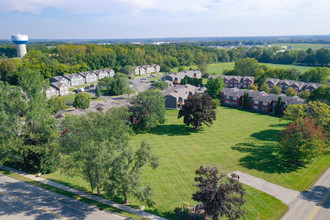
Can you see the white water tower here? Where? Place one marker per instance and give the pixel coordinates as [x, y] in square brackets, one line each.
[20, 41]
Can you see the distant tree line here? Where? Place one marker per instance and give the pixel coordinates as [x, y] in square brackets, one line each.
[66, 59]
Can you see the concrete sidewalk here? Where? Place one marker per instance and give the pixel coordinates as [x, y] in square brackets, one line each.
[313, 204]
[84, 194]
[287, 196]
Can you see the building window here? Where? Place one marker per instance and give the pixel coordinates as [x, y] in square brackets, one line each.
[255, 107]
[234, 98]
[265, 103]
[256, 102]
[264, 109]
[227, 97]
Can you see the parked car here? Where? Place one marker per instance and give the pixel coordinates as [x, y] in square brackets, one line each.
[152, 87]
[143, 79]
[81, 90]
[92, 85]
[87, 87]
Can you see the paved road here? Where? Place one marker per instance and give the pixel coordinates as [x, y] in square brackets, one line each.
[313, 204]
[310, 205]
[19, 200]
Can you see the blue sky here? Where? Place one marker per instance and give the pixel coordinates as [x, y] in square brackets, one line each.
[99, 19]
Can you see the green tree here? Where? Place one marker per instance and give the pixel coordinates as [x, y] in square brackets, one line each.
[323, 56]
[149, 109]
[40, 149]
[246, 100]
[276, 90]
[56, 103]
[8, 72]
[161, 85]
[302, 140]
[220, 195]
[82, 100]
[93, 142]
[125, 176]
[291, 92]
[321, 94]
[316, 110]
[246, 67]
[98, 91]
[264, 87]
[305, 94]
[278, 106]
[129, 70]
[214, 86]
[253, 87]
[12, 106]
[119, 85]
[201, 61]
[197, 110]
[316, 75]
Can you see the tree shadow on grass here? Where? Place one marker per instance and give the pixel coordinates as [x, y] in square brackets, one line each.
[264, 158]
[266, 135]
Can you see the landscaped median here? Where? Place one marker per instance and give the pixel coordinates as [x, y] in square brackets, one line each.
[22, 177]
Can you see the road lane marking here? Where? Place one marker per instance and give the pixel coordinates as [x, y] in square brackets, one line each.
[38, 207]
[319, 206]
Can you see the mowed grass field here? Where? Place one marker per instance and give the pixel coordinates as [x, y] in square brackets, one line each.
[298, 46]
[218, 68]
[238, 140]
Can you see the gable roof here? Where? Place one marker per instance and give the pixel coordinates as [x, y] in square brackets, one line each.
[58, 85]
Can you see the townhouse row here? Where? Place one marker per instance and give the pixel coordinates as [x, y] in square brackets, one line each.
[258, 101]
[238, 81]
[59, 85]
[298, 86]
[176, 96]
[147, 69]
[176, 78]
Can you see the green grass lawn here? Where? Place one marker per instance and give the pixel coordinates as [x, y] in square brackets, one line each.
[298, 46]
[218, 68]
[238, 140]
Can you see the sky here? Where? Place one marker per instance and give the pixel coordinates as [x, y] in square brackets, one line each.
[113, 19]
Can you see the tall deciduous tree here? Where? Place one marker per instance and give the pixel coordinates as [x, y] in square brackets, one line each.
[82, 100]
[40, 150]
[149, 109]
[321, 94]
[264, 87]
[276, 90]
[93, 142]
[220, 195]
[97, 91]
[302, 140]
[291, 92]
[246, 67]
[197, 110]
[317, 110]
[56, 103]
[201, 61]
[124, 177]
[214, 86]
[12, 106]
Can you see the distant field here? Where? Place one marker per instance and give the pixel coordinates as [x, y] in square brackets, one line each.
[218, 68]
[297, 46]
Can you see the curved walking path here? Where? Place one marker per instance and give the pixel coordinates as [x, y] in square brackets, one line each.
[84, 194]
[313, 204]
